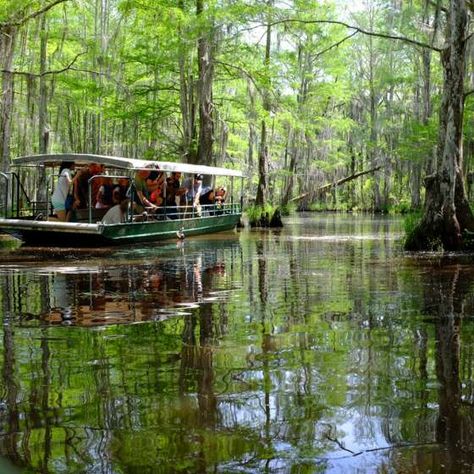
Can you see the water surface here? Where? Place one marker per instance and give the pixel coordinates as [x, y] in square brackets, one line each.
[322, 347]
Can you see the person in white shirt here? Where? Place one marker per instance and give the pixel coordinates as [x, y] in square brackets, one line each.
[62, 189]
[116, 214]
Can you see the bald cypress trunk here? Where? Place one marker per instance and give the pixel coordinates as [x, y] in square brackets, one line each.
[447, 212]
[263, 154]
[206, 76]
[43, 129]
[7, 44]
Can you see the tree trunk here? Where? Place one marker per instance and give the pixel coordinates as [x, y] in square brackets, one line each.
[290, 183]
[446, 212]
[187, 106]
[7, 43]
[187, 97]
[263, 158]
[43, 129]
[263, 154]
[206, 76]
[43, 132]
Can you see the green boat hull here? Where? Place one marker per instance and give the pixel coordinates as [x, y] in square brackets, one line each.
[65, 234]
[168, 229]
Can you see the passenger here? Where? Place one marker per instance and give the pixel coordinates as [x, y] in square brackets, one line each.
[117, 214]
[96, 169]
[174, 191]
[142, 180]
[118, 194]
[81, 184]
[211, 196]
[156, 187]
[156, 197]
[207, 196]
[212, 199]
[153, 180]
[62, 190]
[103, 198]
[220, 195]
[193, 191]
[119, 190]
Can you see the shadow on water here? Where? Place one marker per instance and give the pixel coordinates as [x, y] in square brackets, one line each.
[319, 348]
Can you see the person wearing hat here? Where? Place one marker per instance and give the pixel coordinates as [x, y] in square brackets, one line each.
[193, 188]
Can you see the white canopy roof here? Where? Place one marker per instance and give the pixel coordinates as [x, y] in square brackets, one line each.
[122, 163]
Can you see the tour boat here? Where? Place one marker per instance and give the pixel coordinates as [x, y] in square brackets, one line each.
[26, 210]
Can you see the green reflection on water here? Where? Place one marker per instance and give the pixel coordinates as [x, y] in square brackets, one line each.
[319, 348]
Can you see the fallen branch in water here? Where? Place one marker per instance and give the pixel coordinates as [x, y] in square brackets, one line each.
[328, 186]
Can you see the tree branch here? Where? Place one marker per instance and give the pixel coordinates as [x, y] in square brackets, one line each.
[360, 30]
[46, 73]
[467, 94]
[243, 71]
[438, 6]
[357, 30]
[335, 45]
[26, 18]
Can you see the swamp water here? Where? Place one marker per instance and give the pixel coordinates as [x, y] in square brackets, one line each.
[322, 347]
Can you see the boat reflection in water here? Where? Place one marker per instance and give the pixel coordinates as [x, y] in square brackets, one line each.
[74, 395]
[131, 286]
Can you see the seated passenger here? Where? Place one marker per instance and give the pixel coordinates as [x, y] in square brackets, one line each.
[118, 194]
[157, 188]
[154, 180]
[119, 190]
[103, 198]
[156, 197]
[97, 182]
[116, 214]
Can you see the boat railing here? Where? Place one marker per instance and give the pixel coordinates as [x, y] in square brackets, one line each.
[163, 212]
[187, 212]
[4, 195]
[14, 197]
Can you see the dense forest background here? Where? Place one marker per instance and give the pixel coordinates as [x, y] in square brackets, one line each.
[297, 94]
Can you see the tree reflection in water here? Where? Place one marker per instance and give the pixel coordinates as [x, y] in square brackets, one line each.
[455, 424]
[448, 303]
[264, 354]
[102, 296]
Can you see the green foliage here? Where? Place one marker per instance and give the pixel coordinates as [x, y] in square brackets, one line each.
[129, 85]
[418, 141]
[254, 213]
[288, 209]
